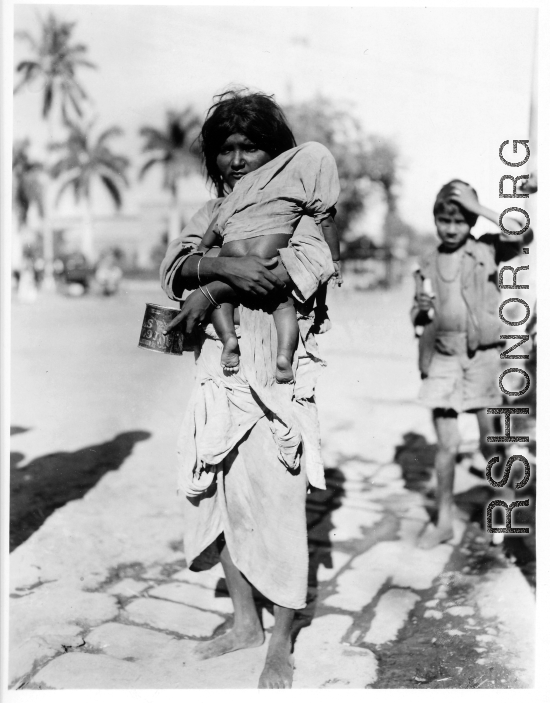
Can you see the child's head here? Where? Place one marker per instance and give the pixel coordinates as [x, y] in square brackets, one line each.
[253, 115]
[452, 220]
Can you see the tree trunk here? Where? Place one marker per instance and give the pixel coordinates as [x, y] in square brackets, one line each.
[87, 242]
[16, 243]
[174, 226]
[47, 224]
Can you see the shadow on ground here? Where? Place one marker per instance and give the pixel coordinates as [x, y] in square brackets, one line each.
[48, 482]
[417, 457]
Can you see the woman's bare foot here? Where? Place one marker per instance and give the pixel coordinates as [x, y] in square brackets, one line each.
[435, 534]
[279, 665]
[283, 373]
[230, 642]
[231, 357]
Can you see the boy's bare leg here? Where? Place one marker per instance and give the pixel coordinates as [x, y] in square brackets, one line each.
[247, 630]
[446, 427]
[287, 340]
[488, 426]
[278, 667]
[222, 319]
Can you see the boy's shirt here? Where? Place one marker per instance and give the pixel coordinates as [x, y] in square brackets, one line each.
[477, 283]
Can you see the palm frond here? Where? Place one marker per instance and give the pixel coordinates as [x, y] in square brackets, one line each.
[48, 100]
[108, 134]
[68, 183]
[148, 165]
[26, 36]
[113, 190]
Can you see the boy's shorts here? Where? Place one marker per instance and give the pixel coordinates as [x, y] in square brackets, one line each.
[461, 382]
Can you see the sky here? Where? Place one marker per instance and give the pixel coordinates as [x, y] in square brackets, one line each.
[447, 85]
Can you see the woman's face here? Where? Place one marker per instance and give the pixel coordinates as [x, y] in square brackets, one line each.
[239, 156]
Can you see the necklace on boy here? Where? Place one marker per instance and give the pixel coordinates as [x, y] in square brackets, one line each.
[456, 273]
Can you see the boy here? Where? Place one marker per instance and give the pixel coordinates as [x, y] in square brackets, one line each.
[456, 307]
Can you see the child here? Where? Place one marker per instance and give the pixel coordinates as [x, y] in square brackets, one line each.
[259, 217]
[456, 307]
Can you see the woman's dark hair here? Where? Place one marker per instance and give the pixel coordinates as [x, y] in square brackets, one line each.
[254, 115]
[444, 204]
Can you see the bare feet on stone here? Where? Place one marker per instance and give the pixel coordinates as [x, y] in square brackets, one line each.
[435, 534]
[230, 642]
[279, 666]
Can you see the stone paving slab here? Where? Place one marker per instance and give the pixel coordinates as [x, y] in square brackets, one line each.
[207, 579]
[195, 596]
[322, 661]
[393, 562]
[138, 643]
[392, 610]
[128, 588]
[77, 671]
[173, 617]
[168, 662]
[51, 617]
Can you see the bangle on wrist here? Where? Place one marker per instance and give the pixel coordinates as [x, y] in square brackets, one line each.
[209, 297]
[199, 268]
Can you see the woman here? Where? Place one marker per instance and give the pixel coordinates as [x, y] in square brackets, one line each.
[261, 438]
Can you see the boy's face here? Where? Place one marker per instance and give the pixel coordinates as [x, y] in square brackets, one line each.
[452, 229]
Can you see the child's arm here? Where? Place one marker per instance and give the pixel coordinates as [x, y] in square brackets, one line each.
[332, 238]
[464, 195]
[211, 237]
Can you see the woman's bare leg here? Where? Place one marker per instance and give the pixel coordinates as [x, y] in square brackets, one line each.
[247, 629]
[222, 319]
[278, 668]
[446, 427]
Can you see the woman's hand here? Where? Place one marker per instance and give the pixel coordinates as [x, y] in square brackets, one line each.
[250, 274]
[193, 313]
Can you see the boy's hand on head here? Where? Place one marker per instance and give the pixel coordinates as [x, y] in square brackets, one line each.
[337, 279]
[464, 195]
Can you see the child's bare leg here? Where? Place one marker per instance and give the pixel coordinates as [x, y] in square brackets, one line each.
[490, 425]
[222, 319]
[287, 340]
[446, 427]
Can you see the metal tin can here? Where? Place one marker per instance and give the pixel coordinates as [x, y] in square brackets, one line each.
[152, 335]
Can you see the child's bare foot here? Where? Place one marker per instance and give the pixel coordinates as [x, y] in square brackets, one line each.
[230, 642]
[283, 373]
[231, 357]
[435, 534]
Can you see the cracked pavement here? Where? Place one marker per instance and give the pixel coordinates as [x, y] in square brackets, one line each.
[100, 595]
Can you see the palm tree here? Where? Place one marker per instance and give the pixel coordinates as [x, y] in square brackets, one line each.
[54, 62]
[27, 190]
[27, 184]
[175, 150]
[84, 161]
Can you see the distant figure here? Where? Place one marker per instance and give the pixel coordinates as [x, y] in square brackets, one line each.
[26, 290]
[456, 314]
[108, 274]
[77, 274]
